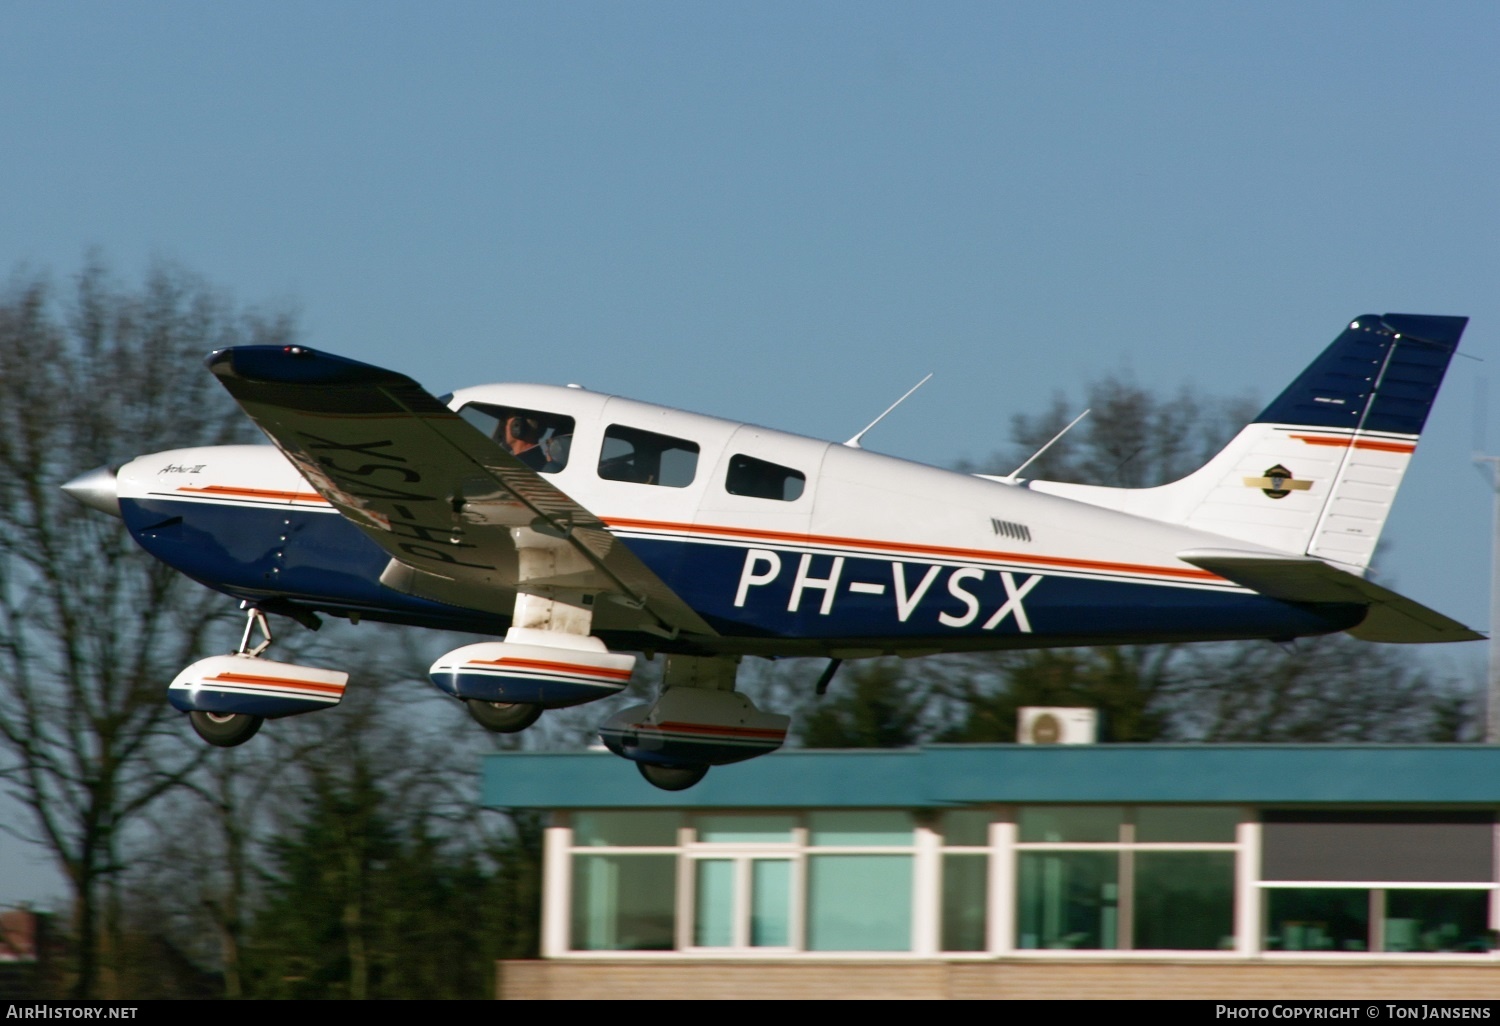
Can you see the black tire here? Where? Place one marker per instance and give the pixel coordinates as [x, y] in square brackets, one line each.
[225, 730]
[503, 717]
[671, 778]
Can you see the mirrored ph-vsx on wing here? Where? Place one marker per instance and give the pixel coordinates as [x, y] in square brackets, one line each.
[580, 527]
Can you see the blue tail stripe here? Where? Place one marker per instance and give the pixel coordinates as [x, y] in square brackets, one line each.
[1334, 390]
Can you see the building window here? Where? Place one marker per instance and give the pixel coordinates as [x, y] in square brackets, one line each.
[965, 835]
[1415, 847]
[1396, 919]
[624, 902]
[859, 901]
[1438, 920]
[1394, 881]
[841, 880]
[770, 903]
[966, 898]
[1109, 877]
[1069, 900]
[624, 895]
[625, 829]
[1184, 901]
[742, 829]
[742, 903]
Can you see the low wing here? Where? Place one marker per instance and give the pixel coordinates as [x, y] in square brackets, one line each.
[428, 487]
[1392, 617]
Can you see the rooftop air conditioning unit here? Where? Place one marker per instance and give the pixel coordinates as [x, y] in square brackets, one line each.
[1057, 725]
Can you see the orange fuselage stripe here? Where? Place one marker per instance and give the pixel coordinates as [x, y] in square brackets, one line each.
[1358, 443]
[255, 493]
[706, 728]
[909, 548]
[246, 678]
[542, 664]
[1061, 562]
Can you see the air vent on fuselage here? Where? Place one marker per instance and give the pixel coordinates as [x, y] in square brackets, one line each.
[1011, 529]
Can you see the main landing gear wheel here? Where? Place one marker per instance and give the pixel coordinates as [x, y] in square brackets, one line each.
[225, 729]
[671, 778]
[503, 717]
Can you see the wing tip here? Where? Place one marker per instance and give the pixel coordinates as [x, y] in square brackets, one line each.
[296, 365]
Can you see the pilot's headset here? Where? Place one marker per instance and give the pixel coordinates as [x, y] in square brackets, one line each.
[525, 429]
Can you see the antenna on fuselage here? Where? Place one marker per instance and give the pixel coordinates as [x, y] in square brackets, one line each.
[1011, 477]
[853, 443]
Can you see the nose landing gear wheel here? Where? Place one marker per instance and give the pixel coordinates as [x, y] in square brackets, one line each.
[671, 778]
[225, 729]
[503, 717]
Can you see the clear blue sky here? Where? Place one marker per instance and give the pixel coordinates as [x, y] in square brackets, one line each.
[789, 212]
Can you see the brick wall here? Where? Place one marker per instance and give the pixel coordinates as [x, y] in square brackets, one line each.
[1259, 980]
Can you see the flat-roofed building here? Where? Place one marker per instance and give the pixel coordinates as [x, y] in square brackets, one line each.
[1020, 870]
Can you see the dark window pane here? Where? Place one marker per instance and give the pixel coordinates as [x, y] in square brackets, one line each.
[1317, 919]
[610, 829]
[761, 480]
[1437, 920]
[1184, 901]
[967, 827]
[644, 457]
[1071, 822]
[1416, 847]
[1160, 823]
[965, 899]
[538, 439]
[1069, 900]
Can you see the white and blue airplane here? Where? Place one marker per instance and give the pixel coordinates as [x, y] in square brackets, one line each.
[581, 527]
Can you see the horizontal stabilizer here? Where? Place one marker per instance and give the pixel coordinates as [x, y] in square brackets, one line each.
[1392, 617]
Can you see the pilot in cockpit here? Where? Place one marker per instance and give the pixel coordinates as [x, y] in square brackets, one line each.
[522, 435]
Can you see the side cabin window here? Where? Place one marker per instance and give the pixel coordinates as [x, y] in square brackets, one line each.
[538, 439]
[761, 480]
[644, 457]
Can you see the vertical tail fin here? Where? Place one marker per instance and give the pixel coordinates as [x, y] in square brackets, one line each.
[1316, 473]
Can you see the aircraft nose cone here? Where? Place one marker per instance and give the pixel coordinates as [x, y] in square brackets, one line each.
[96, 490]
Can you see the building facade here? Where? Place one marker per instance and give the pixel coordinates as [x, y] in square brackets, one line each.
[1004, 863]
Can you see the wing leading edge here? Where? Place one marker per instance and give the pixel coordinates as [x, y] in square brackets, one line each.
[426, 486]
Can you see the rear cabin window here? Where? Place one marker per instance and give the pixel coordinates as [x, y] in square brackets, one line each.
[761, 480]
[645, 457]
[535, 437]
